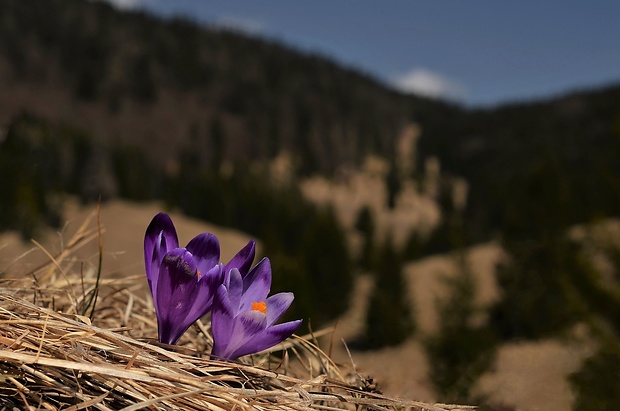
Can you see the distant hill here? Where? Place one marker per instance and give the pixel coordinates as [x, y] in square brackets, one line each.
[534, 166]
[166, 85]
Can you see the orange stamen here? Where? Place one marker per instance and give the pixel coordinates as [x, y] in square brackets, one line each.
[260, 306]
[198, 273]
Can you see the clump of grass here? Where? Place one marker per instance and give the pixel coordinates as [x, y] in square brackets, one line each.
[53, 356]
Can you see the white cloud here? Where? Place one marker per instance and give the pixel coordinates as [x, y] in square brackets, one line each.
[124, 4]
[244, 25]
[430, 84]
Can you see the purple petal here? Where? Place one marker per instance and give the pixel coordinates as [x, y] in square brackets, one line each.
[243, 259]
[267, 338]
[222, 318]
[247, 327]
[175, 294]
[281, 332]
[214, 277]
[256, 284]
[235, 289]
[276, 306]
[203, 295]
[206, 249]
[160, 237]
[252, 322]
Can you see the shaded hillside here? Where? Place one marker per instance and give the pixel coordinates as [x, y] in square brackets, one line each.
[534, 167]
[131, 77]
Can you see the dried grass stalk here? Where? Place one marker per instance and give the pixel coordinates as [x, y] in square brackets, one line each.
[53, 356]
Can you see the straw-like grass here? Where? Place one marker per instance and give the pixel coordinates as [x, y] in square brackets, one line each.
[54, 356]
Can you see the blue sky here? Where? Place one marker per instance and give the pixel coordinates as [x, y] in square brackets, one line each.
[479, 53]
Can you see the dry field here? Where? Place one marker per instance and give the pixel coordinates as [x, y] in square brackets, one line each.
[529, 376]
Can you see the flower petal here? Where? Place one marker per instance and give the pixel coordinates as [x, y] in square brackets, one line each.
[206, 249]
[277, 304]
[248, 326]
[252, 322]
[160, 237]
[243, 259]
[214, 277]
[229, 332]
[222, 322]
[267, 338]
[203, 295]
[235, 289]
[256, 284]
[281, 332]
[175, 294]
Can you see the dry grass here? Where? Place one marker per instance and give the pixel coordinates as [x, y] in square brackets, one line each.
[70, 340]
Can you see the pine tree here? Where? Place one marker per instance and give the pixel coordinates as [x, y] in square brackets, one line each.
[325, 260]
[533, 303]
[366, 226]
[461, 350]
[389, 318]
[597, 384]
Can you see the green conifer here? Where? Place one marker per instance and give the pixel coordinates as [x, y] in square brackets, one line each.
[389, 318]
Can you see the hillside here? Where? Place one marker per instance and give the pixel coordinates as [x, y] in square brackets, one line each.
[534, 166]
[167, 88]
[169, 85]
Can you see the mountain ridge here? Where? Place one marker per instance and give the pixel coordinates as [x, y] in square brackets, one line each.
[220, 92]
[172, 89]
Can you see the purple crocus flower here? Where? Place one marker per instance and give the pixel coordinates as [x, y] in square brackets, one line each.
[183, 280]
[243, 317]
[243, 259]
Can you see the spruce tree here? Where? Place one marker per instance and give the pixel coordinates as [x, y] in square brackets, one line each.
[366, 226]
[326, 262]
[389, 318]
[533, 303]
[461, 350]
[597, 296]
